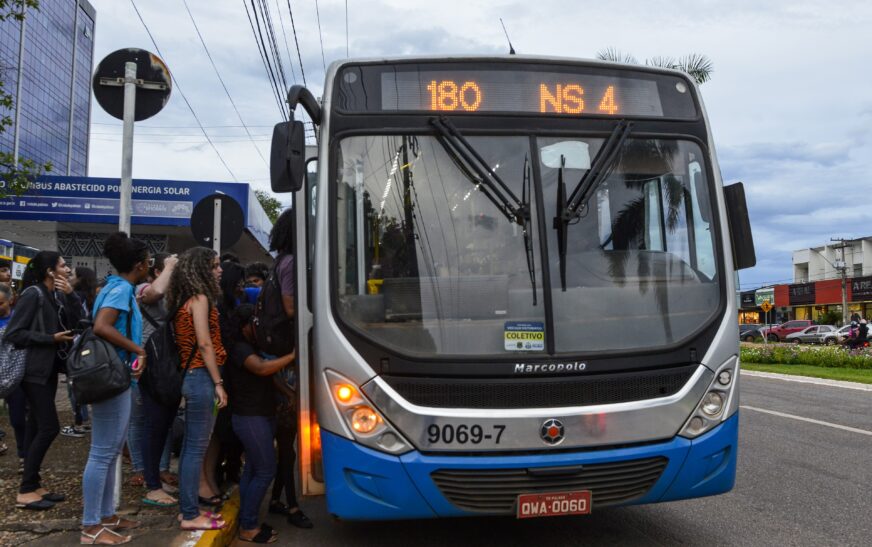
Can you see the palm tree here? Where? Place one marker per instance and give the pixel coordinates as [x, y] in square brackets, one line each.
[697, 66]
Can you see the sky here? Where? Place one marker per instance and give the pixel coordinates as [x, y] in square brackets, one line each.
[790, 99]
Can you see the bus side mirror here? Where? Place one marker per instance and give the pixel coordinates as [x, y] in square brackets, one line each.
[287, 162]
[740, 227]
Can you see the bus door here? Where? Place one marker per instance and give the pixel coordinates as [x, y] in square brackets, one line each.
[309, 440]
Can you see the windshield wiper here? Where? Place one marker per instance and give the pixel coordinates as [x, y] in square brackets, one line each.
[526, 190]
[570, 210]
[478, 172]
[486, 180]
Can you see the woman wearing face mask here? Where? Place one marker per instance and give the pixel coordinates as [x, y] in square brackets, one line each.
[45, 313]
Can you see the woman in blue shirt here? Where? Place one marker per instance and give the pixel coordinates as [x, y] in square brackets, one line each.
[117, 320]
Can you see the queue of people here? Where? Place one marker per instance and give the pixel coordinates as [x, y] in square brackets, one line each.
[226, 376]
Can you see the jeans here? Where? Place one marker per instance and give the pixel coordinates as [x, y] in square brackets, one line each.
[286, 434]
[17, 404]
[41, 429]
[136, 432]
[109, 423]
[256, 434]
[199, 393]
[156, 440]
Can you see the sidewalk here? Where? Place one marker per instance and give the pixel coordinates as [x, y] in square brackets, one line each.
[62, 473]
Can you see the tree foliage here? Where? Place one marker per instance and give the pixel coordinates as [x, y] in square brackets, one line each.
[17, 177]
[697, 66]
[271, 205]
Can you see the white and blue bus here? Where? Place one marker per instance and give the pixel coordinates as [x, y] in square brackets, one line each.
[516, 283]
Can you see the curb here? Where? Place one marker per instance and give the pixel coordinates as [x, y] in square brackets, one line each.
[215, 538]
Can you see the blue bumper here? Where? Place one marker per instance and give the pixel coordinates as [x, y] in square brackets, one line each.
[363, 484]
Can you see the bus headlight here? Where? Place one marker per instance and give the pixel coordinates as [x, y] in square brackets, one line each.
[719, 402]
[363, 421]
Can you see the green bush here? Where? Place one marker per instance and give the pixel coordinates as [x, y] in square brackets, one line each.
[783, 354]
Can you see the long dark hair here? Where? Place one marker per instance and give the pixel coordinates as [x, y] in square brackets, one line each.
[232, 276]
[38, 267]
[86, 285]
[193, 276]
[281, 237]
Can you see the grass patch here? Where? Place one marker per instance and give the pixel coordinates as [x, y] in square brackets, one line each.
[864, 376]
[815, 356]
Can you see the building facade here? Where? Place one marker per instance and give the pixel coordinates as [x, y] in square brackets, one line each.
[45, 64]
[817, 285]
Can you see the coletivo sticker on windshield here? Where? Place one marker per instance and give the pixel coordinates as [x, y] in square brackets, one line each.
[524, 336]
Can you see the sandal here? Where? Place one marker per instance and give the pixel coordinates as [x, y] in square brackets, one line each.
[207, 514]
[213, 501]
[94, 539]
[169, 478]
[122, 524]
[165, 500]
[266, 535]
[136, 480]
[214, 524]
[40, 505]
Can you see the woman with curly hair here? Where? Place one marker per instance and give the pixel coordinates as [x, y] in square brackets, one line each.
[194, 289]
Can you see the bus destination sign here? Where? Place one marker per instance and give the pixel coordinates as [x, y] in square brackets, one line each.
[535, 92]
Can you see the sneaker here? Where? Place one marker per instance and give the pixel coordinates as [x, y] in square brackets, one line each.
[72, 431]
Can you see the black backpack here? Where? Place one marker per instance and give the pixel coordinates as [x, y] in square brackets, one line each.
[163, 375]
[273, 329]
[95, 371]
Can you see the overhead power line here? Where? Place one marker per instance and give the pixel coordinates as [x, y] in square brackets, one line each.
[320, 36]
[182, 94]
[265, 55]
[297, 43]
[285, 38]
[220, 79]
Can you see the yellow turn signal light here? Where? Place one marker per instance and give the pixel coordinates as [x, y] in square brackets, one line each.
[364, 420]
[344, 393]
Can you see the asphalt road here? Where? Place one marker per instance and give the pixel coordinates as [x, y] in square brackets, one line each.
[798, 483]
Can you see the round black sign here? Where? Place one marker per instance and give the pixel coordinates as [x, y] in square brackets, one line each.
[150, 69]
[232, 220]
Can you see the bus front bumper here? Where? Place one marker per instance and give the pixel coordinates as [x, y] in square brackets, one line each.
[363, 484]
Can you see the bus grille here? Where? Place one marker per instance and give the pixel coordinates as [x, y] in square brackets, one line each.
[541, 392]
[495, 491]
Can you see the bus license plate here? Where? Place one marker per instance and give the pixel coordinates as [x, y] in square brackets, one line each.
[554, 504]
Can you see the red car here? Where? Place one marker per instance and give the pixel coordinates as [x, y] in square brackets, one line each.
[780, 332]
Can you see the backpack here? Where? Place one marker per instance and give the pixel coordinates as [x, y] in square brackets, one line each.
[163, 376]
[95, 371]
[273, 329]
[13, 360]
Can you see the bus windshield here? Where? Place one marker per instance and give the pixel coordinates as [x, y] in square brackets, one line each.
[435, 256]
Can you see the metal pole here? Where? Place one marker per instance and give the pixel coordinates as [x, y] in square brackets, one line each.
[216, 228]
[124, 204]
[844, 294]
[18, 85]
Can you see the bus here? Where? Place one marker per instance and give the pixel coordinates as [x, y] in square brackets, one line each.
[515, 288]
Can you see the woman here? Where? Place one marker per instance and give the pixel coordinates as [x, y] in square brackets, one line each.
[281, 240]
[84, 283]
[45, 312]
[157, 419]
[252, 396]
[193, 291]
[118, 321]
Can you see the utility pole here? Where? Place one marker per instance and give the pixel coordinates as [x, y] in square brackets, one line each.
[842, 267]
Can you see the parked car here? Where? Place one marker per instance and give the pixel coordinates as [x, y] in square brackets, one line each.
[811, 335]
[780, 332]
[745, 327]
[837, 337]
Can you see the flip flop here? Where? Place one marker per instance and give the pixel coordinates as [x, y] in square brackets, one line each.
[207, 514]
[159, 503]
[54, 498]
[213, 525]
[92, 539]
[122, 524]
[214, 500]
[264, 536]
[41, 505]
